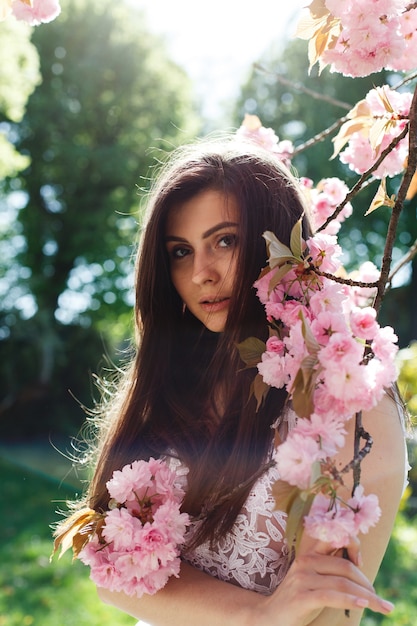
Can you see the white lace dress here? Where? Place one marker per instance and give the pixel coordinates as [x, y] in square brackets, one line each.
[254, 555]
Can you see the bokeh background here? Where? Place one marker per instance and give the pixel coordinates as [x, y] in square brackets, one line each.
[89, 104]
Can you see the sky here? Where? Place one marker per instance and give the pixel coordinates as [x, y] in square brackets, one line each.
[217, 41]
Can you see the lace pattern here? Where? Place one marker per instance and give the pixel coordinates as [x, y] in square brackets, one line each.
[254, 555]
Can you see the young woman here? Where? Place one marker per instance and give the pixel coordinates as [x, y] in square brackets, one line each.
[186, 397]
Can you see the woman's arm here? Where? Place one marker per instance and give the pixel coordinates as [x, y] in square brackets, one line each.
[383, 473]
[315, 579]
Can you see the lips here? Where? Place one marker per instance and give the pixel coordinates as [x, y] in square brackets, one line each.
[213, 305]
[213, 300]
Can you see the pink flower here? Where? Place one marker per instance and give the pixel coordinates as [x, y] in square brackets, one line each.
[263, 291]
[132, 481]
[329, 299]
[325, 252]
[329, 522]
[295, 458]
[348, 383]
[366, 508]
[252, 130]
[274, 344]
[326, 324]
[341, 348]
[328, 431]
[367, 273]
[40, 11]
[121, 528]
[272, 369]
[384, 343]
[133, 555]
[363, 322]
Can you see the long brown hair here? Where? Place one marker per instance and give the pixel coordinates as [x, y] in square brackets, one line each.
[167, 402]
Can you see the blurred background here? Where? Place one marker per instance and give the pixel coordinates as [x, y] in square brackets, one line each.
[88, 104]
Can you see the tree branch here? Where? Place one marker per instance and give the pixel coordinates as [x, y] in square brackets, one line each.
[362, 180]
[297, 86]
[320, 136]
[399, 203]
[408, 256]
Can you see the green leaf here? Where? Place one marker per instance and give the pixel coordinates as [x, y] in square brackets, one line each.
[311, 342]
[277, 251]
[296, 240]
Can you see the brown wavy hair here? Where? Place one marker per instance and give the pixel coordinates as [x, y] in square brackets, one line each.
[168, 398]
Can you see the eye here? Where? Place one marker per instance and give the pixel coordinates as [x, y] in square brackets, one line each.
[179, 252]
[227, 241]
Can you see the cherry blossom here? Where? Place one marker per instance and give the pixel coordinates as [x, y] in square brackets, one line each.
[137, 548]
[37, 11]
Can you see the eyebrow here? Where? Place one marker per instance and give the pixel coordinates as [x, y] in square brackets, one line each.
[206, 233]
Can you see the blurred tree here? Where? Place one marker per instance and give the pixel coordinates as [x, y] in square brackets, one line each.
[19, 75]
[108, 93]
[277, 91]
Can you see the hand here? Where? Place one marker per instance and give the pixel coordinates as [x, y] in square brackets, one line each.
[320, 578]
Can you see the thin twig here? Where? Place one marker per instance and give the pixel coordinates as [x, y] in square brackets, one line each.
[320, 136]
[297, 86]
[405, 80]
[399, 203]
[408, 256]
[362, 180]
[346, 281]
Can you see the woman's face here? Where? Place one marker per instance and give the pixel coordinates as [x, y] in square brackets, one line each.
[201, 239]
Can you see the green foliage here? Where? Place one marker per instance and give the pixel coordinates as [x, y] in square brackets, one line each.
[110, 101]
[19, 75]
[407, 381]
[397, 578]
[33, 590]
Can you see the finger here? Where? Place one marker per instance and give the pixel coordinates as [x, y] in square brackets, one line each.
[326, 566]
[347, 601]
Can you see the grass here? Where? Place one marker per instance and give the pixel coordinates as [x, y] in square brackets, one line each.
[34, 591]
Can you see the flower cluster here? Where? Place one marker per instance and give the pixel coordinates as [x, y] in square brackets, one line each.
[334, 360]
[34, 12]
[253, 131]
[362, 36]
[134, 546]
[372, 125]
[324, 199]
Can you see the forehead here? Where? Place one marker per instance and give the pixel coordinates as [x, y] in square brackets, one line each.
[202, 211]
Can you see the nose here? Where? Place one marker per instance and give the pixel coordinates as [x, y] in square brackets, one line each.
[204, 268]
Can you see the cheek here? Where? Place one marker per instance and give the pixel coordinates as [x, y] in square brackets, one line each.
[179, 282]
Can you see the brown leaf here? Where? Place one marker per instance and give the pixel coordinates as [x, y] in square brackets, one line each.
[299, 509]
[377, 131]
[73, 527]
[260, 390]
[284, 495]
[302, 392]
[381, 198]
[251, 350]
